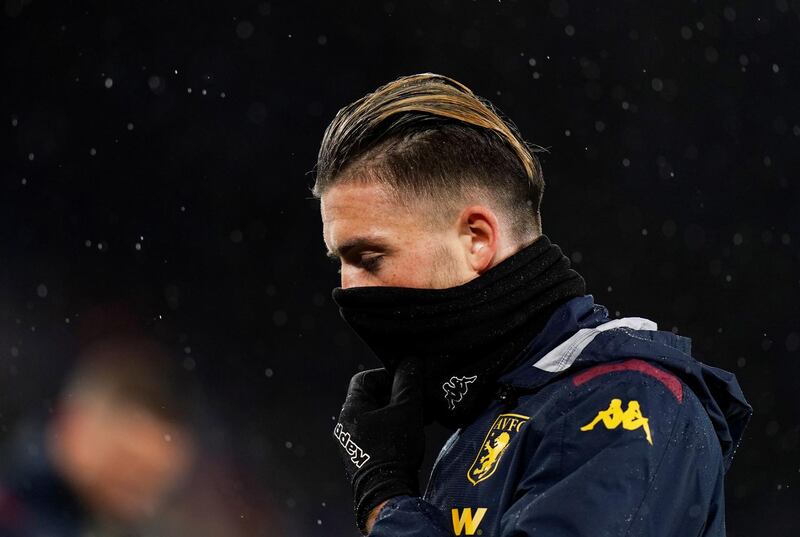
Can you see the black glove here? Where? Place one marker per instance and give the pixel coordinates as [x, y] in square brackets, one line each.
[381, 436]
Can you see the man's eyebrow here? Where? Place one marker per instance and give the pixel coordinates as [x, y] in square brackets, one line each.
[358, 243]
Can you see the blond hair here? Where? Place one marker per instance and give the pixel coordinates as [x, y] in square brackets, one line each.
[429, 135]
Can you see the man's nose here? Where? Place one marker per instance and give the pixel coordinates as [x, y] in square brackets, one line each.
[347, 277]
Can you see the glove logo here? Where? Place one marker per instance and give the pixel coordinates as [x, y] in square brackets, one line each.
[456, 388]
[357, 455]
[502, 431]
[630, 419]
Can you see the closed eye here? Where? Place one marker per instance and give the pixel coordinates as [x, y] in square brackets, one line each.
[371, 264]
[366, 253]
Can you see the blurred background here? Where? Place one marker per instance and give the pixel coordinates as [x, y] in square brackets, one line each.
[155, 210]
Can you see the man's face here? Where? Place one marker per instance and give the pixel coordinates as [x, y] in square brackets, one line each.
[122, 459]
[380, 242]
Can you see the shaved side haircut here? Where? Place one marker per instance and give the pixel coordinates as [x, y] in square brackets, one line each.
[429, 138]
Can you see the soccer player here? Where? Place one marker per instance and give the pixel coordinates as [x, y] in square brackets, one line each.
[567, 422]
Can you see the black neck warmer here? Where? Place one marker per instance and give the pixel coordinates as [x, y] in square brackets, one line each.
[465, 336]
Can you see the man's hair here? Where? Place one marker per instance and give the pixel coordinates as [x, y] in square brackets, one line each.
[429, 137]
[134, 370]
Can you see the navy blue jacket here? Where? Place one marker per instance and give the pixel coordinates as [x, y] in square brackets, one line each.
[607, 428]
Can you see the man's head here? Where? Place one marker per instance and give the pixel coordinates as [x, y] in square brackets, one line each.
[121, 436]
[423, 184]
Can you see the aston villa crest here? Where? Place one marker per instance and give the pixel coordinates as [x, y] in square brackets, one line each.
[502, 431]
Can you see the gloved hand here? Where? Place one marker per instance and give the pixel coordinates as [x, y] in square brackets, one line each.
[381, 436]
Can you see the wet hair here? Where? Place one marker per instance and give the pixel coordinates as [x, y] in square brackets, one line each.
[430, 138]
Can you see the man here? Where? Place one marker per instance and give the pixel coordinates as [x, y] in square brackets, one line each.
[112, 454]
[566, 422]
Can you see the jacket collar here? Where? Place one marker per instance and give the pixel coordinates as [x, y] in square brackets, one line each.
[571, 328]
[573, 315]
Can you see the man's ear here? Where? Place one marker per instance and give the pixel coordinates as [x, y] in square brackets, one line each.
[479, 234]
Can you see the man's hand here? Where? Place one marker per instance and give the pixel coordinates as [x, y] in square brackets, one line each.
[373, 516]
[381, 437]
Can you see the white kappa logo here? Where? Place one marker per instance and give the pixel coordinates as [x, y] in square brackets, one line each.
[456, 388]
[357, 455]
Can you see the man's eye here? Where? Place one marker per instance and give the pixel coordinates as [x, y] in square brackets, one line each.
[371, 264]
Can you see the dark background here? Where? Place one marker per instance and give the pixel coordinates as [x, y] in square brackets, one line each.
[158, 157]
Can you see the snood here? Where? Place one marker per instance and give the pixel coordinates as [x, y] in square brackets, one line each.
[468, 335]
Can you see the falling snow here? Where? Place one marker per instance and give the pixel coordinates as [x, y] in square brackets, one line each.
[670, 145]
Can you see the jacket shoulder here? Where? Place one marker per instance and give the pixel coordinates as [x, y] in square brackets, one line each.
[613, 388]
[633, 372]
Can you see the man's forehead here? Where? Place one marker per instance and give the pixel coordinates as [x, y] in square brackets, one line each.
[356, 195]
[359, 215]
[359, 208]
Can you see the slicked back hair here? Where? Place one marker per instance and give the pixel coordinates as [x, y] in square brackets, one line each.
[430, 138]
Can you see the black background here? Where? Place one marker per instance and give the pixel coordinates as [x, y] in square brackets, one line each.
[192, 130]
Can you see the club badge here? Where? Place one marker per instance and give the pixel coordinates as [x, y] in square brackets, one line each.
[502, 431]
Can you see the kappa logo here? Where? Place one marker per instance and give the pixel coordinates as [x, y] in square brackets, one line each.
[357, 455]
[630, 419]
[504, 428]
[456, 388]
[464, 522]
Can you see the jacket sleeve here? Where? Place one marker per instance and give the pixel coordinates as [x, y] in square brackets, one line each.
[409, 516]
[628, 454]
